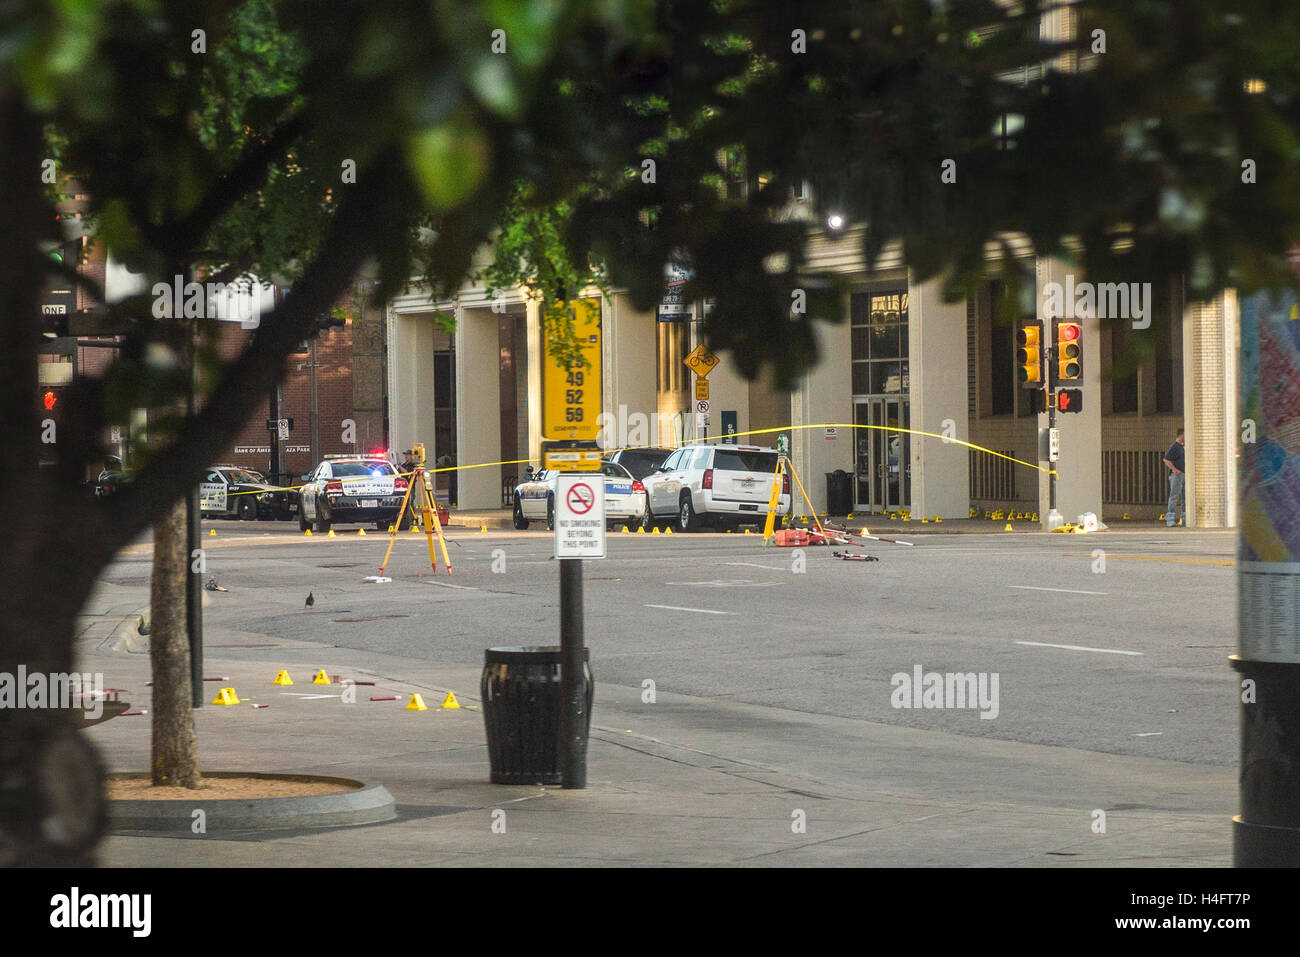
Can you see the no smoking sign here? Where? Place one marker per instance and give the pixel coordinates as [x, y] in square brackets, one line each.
[580, 516]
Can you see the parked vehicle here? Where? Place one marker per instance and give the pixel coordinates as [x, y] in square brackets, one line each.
[351, 489]
[723, 486]
[534, 497]
[229, 491]
[640, 462]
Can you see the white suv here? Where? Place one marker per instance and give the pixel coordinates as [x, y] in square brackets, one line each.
[721, 485]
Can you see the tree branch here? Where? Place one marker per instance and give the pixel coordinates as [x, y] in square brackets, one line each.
[356, 231]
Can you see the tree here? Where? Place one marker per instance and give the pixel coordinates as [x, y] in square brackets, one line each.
[902, 115]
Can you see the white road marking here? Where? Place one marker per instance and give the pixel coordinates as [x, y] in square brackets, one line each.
[1104, 651]
[1147, 734]
[732, 583]
[1071, 591]
[771, 568]
[450, 585]
[309, 697]
[702, 611]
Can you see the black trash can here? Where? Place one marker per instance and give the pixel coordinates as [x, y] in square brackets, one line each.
[839, 492]
[522, 704]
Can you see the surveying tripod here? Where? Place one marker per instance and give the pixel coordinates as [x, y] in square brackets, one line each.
[421, 483]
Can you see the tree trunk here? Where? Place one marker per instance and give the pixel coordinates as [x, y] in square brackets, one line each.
[174, 758]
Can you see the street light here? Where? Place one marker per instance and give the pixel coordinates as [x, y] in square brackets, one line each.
[835, 222]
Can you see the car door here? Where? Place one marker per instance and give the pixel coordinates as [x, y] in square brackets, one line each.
[311, 490]
[664, 497]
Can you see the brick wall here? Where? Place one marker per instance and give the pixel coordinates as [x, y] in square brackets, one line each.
[336, 401]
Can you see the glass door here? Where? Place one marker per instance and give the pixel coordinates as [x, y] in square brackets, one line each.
[882, 457]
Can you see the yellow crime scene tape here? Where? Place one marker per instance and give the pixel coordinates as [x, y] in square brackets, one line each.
[787, 428]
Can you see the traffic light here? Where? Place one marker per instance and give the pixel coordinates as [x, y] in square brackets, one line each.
[1037, 399]
[1069, 400]
[1069, 351]
[1029, 354]
[50, 399]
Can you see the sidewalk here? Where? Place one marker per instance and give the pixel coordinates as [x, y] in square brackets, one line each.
[685, 781]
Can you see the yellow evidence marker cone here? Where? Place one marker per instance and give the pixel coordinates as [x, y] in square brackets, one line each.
[656, 530]
[624, 529]
[212, 534]
[483, 528]
[864, 532]
[416, 703]
[450, 702]
[361, 531]
[668, 530]
[331, 534]
[307, 532]
[640, 531]
[282, 678]
[226, 696]
[1008, 528]
[321, 678]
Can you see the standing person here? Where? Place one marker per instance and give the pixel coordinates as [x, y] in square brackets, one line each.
[1175, 461]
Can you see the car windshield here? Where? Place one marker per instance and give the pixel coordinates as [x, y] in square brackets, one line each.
[347, 469]
[641, 462]
[234, 476]
[738, 460]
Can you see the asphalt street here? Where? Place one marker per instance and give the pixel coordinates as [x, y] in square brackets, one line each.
[1114, 642]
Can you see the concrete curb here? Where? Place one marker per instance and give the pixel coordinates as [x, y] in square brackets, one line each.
[365, 804]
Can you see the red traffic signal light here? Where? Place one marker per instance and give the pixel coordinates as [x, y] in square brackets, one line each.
[1069, 400]
[49, 399]
[1069, 351]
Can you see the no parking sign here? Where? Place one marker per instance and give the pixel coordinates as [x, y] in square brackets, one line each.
[580, 516]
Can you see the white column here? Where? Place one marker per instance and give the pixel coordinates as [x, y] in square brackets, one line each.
[478, 407]
[937, 386]
[410, 371]
[630, 340]
[823, 396]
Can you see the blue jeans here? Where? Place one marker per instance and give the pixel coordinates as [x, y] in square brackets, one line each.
[1177, 485]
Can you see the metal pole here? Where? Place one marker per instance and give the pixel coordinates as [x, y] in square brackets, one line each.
[315, 417]
[193, 546]
[573, 685]
[194, 596]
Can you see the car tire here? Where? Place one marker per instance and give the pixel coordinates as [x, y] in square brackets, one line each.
[550, 513]
[521, 523]
[323, 522]
[686, 519]
[382, 526]
[302, 520]
[247, 510]
[648, 520]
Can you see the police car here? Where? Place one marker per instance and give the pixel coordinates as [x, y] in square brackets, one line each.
[534, 497]
[351, 489]
[230, 491]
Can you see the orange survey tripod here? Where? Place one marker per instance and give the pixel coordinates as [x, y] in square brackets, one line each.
[422, 484]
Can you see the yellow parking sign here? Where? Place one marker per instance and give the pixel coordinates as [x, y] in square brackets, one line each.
[571, 397]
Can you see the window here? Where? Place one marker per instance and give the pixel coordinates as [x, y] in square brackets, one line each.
[1002, 385]
[1123, 389]
[362, 468]
[701, 458]
[733, 460]
[879, 342]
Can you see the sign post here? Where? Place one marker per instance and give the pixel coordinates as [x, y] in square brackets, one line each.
[579, 534]
[571, 405]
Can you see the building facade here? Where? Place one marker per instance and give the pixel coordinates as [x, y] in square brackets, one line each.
[902, 375]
